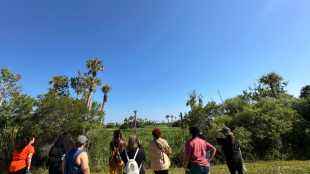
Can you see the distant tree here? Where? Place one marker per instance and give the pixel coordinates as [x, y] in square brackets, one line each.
[192, 99]
[135, 111]
[126, 120]
[8, 85]
[167, 116]
[60, 85]
[171, 118]
[273, 80]
[131, 118]
[305, 92]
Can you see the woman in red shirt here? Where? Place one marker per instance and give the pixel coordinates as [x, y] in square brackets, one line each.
[22, 157]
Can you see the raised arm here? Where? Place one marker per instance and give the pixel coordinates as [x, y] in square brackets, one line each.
[124, 142]
[215, 135]
[84, 163]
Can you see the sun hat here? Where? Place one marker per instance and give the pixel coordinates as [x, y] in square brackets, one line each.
[82, 139]
[226, 131]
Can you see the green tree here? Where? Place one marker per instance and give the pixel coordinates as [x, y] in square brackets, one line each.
[94, 65]
[106, 89]
[8, 84]
[274, 81]
[60, 85]
[79, 85]
[192, 99]
[131, 118]
[171, 118]
[305, 92]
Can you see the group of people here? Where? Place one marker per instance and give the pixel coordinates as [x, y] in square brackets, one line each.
[66, 157]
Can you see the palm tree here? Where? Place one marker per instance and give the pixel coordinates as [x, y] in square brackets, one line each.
[58, 82]
[126, 120]
[167, 116]
[106, 89]
[272, 80]
[175, 118]
[95, 65]
[171, 118]
[192, 99]
[135, 111]
[131, 119]
[92, 82]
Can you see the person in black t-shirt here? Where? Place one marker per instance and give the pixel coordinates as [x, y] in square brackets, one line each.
[133, 145]
[231, 149]
[57, 152]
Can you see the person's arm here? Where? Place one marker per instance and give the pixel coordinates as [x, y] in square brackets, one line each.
[187, 156]
[186, 164]
[124, 142]
[84, 163]
[167, 148]
[212, 153]
[240, 153]
[63, 164]
[29, 156]
[215, 135]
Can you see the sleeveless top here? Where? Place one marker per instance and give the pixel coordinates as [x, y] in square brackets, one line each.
[71, 167]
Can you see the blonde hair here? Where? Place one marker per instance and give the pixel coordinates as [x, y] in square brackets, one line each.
[132, 143]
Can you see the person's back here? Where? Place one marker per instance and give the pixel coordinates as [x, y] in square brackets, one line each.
[71, 167]
[230, 150]
[76, 160]
[54, 160]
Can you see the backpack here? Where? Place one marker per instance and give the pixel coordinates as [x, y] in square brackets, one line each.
[132, 166]
[115, 160]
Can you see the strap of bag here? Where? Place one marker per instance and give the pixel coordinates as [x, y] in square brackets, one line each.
[126, 154]
[162, 151]
[134, 158]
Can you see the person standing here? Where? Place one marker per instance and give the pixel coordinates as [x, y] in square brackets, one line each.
[232, 150]
[195, 153]
[160, 153]
[131, 150]
[116, 162]
[22, 157]
[57, 153]
[76, 160]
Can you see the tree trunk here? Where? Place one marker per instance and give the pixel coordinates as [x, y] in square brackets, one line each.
[182, 123]
[273, 93]
[103, 104]
[135, 124]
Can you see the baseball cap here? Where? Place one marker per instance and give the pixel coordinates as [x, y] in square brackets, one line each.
[82, 139]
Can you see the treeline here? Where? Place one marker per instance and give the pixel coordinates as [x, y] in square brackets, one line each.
[269, 123]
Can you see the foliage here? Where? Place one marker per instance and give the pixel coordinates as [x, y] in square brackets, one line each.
[60, 85]
[304, 92]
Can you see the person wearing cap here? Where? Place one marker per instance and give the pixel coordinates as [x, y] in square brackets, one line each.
[76, 160]
[232, 150]
[195, 153]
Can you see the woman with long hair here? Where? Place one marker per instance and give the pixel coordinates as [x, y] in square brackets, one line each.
[134, 151]
[57, 153]
[160, 153]
[232, 150]
[22, 157]
[76, 160]
[116, 145]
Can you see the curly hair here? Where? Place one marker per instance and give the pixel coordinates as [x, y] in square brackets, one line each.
[195, 131]
[156, 133]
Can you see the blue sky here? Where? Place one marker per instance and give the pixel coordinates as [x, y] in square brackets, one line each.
[155, 52]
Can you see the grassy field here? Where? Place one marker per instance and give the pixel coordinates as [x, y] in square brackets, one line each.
[271, 167]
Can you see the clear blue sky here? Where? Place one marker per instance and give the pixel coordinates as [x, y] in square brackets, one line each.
[157, 51]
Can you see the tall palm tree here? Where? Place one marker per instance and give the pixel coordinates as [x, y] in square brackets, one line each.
[92, 82]
[135, 111]
[95, 65]
[58, 82]
[106, 89]
[192, 99]
[171, 118]
[167, 116]
[126, 120]
[175, 118]
[272, 80]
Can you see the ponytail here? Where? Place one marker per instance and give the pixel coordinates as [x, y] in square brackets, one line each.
[232, 139]
[77, 145]
[24, 143]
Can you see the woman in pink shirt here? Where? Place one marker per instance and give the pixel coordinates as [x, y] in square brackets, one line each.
[195, 152]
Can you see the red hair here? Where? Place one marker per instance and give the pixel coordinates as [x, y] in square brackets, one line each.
[156, 133]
